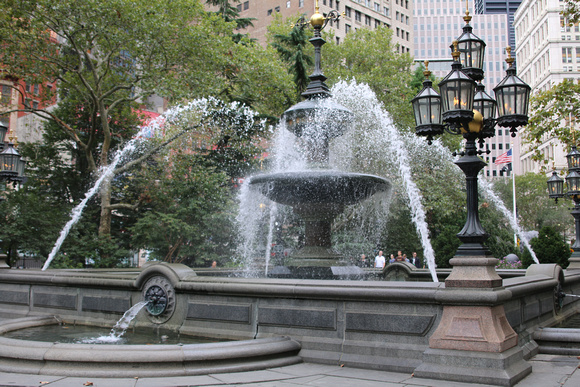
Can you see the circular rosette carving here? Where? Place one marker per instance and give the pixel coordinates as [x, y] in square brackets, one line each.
[160, 295]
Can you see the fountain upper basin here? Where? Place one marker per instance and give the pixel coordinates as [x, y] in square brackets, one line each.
[321, 186]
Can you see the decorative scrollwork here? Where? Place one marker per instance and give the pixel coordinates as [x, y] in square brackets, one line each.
[160, 295]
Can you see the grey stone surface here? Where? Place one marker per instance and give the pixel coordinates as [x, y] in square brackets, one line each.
[389, 323]
[14, 297]
[55, 300]
[312, 318]
[219, 312]
[549, 371]
[106, 304]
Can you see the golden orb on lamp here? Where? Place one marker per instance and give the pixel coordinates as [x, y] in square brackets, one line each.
[474, 125]
[317, 19]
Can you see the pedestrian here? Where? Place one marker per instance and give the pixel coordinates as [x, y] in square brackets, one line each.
[416, 261]
[380, 260]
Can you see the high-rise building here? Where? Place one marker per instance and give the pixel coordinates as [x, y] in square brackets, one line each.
[395, 14]
[548, 49]
[436, 24]
[502, 7]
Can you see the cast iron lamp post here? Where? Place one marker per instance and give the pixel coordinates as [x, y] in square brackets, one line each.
[464, 108]
[11, 163]
[556, 191]
[473, 320]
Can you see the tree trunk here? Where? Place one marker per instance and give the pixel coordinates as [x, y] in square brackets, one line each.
[106, 216]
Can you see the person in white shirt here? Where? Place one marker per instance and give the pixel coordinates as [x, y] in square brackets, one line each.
[380, 260]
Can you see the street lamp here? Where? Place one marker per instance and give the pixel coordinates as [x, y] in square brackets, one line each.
[11, 163]
[469, 111]
[473, 296]
[556, 191]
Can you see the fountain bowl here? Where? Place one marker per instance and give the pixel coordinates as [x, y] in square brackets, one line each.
[98, 360]
[319, 186]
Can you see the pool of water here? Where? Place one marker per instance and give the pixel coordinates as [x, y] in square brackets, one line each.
[571, 322]
[83, 334]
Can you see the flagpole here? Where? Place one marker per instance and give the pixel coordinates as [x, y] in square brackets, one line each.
[514, 199]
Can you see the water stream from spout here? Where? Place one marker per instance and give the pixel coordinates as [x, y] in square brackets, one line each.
[491, 195]
[120, 327]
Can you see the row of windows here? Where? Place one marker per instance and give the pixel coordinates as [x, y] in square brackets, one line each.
[500, 146]
[246, 6]
[567, 54]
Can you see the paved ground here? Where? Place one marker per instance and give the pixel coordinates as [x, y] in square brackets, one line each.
[548, 371]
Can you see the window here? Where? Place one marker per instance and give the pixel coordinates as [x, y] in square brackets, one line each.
[367, 20]
[269, 12]
[6, 95]
[566, 55]
[357, 16]
[277, 9]
[377, 23]
[247, 5]
[347, 11]
[377, 7]
[36, 89]
[347, 28]
[239, 7]
[27, 87]
[301, 3]
[500, 146]
[337, 40]
[386, 11]
[35, 104]
[492, 146]
[577, 54]
[368, 3]
[288, 4]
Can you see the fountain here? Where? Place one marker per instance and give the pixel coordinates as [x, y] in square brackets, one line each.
[367, 324]
[318, 194]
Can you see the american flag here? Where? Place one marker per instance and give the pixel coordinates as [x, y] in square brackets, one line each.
[505, 158]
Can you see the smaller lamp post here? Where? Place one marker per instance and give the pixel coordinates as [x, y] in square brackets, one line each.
[556, 191]
[11, 163]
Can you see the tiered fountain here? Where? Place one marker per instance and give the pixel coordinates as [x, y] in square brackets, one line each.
[318, 194]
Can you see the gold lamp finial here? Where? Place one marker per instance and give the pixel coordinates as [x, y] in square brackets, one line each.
[317, 19]
[426, 72]
[455, 53]
[509, 59]
[467, 18]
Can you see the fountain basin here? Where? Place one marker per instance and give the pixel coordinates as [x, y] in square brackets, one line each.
[94, 360]
[320, 186]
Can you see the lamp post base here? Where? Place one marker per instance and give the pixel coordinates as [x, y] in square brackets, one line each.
[500, 369]
[574, 261]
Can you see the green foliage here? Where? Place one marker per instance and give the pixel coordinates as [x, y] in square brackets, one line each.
[549, 248]
[185, 219]
[551, 112]
[534, 208]
[571, 11]
[295, 50]
[370, 57]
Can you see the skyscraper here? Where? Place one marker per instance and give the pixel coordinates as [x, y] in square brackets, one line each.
[436, 24]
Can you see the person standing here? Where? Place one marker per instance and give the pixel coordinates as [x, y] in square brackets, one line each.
[380, 260]
[416, 261]
[363, 261]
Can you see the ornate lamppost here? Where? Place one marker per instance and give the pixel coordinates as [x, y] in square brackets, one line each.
[11, 163]
[556, 191]
[11, 170]
[473, 319]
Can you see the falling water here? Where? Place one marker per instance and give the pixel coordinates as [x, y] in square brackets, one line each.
[380, 133]
[120, 327]
[382, 141]
[181, 116]
[490, 194]
[76, 213]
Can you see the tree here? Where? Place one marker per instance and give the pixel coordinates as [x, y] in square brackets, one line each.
[231, 14]
[108, 55]
[293, 49]
[553, 115]
[572, 11]
[386, 71]
[549, 248]
[534, 208]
